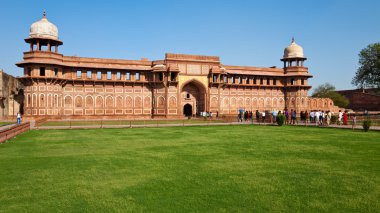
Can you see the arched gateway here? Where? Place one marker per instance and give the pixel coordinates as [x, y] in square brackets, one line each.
[187, 110]
[193, 96]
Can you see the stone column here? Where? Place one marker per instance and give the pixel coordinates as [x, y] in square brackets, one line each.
[38, 45]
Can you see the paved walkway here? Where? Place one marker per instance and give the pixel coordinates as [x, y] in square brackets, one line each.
[377, 128]
[5, 127]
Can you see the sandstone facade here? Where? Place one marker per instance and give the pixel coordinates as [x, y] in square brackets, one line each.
[11, 96]
[179, 85]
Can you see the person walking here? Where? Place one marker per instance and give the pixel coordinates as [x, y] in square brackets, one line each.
[321, 117]
[340, 117]
[274, 114]
[18, 118]
[345, 118]
[353, 121]
[294, 117]
[312, 116]
[263, 116]
[286, 116]
[316, 117]
[328, 117]
[257, 116]
[291, 116]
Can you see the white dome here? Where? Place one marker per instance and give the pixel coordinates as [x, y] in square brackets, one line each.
[293, 51]
[43, 29]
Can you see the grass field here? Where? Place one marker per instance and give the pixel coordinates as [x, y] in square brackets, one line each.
[3, 123]
[192, 169]
[125, 122]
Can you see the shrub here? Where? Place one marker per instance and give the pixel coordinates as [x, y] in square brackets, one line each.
[280, 119]
[366, 125]
[334, 118]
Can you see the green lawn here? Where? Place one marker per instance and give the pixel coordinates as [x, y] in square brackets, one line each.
[124, 122]
[192, 169]
[3, 123]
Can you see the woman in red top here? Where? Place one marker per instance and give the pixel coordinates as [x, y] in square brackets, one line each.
[345, 118]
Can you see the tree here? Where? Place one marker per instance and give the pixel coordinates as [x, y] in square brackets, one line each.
[328, 91]
[368, 73]
[322, 90]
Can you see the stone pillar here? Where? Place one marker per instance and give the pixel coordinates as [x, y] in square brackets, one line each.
[38, 45]
[56, 48]
[49, 46]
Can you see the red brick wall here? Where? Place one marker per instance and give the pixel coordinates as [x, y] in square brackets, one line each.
[362, 101]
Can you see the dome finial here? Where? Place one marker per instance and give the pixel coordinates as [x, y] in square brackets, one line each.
[293, 50]
[43, 29]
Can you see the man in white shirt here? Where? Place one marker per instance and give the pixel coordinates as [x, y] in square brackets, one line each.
[316, 115]
[263, 116]
[18, 118]
[312, 114]
[340, 117]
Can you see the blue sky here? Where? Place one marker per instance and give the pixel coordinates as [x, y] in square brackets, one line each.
[241, 32]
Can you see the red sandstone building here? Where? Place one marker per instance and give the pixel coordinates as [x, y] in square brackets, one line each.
[59, 86]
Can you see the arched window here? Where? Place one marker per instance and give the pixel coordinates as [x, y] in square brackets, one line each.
[214, 78]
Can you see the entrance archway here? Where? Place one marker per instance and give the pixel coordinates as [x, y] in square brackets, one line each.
[193, 94]
[188, 110]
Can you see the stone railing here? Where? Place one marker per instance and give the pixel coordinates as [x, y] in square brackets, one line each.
[13, 131]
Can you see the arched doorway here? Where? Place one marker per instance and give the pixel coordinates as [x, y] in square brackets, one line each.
[193, 94]
[188, 110]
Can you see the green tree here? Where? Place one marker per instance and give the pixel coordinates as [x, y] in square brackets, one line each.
[368, 73]
[328, 91]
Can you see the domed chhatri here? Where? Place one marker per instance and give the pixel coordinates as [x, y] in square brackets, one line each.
[43, 29]
[293, 51]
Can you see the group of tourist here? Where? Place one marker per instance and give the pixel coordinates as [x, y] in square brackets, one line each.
[248, 116]
[244, 116]
[208, 114]
[319, 117]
